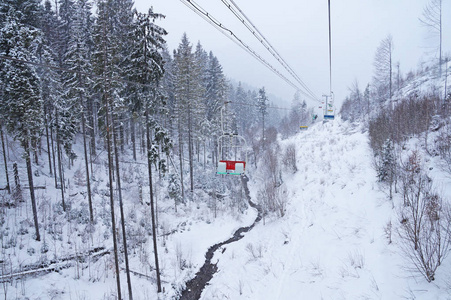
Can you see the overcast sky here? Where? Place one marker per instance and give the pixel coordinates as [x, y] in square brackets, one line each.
[298, 30]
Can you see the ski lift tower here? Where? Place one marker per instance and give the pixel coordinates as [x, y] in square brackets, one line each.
[329, 108]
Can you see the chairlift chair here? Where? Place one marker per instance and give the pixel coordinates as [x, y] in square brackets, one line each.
[232, 153]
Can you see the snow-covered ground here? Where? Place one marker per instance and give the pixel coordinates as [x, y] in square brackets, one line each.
[331, 244]
[183, 236]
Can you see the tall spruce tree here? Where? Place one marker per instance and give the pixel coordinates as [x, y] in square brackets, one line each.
[50, 79]
[188, 95]
[21, 100]
[262, 105]
[77, 84]
[146, 69]
[216, 91]
[105, 59]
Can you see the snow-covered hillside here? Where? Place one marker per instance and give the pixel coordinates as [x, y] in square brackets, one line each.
[332, 243]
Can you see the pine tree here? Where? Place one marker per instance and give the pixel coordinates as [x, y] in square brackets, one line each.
[188, 91]
[262, 101]
[241, 109]
[105, 58]
[146, 68]
[28, 12]
[216, 89]
[167, 88]
[21, 100]
[77, 84]
[50, 79]
[386, 170]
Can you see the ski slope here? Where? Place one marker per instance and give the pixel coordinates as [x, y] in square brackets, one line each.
[331, 244]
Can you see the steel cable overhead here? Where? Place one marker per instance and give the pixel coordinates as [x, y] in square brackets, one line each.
[261, 38]
[254, 105]
[229, 33]
[330, 52]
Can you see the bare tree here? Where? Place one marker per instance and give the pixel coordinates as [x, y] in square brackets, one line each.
[425, 223]
[443, 146]
[432, 19]
[383, 68]
[289, 158]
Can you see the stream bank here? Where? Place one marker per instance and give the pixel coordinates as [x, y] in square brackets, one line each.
[195, 286]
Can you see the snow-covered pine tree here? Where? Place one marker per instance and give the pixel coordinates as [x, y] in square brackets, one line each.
[262, 103]
[105, 65]
[50, 78]
[65, 14]
[167, 89]
[188, 95]
[241, 108]
[202, 124]
[216, 89]
[215, 96]
[29, 12]
[386, 169]
[146, 68]
[77, 84]
[21, 101]
[198, 107]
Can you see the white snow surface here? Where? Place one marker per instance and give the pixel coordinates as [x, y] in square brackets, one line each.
[330, 244]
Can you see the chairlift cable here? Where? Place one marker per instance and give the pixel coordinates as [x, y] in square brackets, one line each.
[247, 104]
[330, 52]
[227, 32]
[261, 38]
[224, 30]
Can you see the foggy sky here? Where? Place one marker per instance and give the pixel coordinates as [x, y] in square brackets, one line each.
[298, 30]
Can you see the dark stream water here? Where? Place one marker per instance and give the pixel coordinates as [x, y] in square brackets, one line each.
[195, 286]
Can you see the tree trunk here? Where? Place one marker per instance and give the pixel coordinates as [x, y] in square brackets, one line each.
[48, 142]
[88, 179]
[113, 220]
[8, 186]
[122, 137]
[132, 137]
[190, 152]
[124, 235]
[92, 124]
[60, 167]
[53, 155]
[31, 186]
[152, 209]
[181, 160]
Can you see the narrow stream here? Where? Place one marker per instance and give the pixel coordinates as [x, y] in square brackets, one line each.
[195, 286]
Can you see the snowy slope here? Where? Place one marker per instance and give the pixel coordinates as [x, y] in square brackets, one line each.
[331, 244]
[183, 236]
